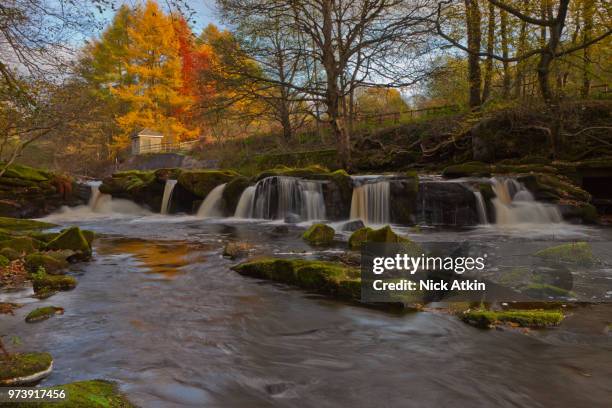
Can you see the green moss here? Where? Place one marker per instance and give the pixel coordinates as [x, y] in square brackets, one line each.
[42, 282]
[382, 235]
[50, 263]
[524, 318]
[43, 313]
[542, 289]
[88, 394]
[21, 244]
[17, 224]
[45, 237]
[554, 186]
[515, 277]
[127, 182]
[312, 170]
[89, 236]
[72, 239]
[328, 278]
[10, 253]
[27, 173]
[319, 234]
[232, 192]
[471, 169]
[4, 261]
[23, 365]
[201, 182]
[579, 253]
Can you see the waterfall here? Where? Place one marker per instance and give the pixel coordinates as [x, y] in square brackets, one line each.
[211, 206]
[168, 188]
[277, 197]
[370, 202]
[514, 204]
[95, 196]
[481, 208]
[245, 204]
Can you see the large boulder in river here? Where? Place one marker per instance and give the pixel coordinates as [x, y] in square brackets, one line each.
[74, 240]
[319, 234]
[232, 192]
[142, 187]
[403, 201]
[384, 235]
[25, 368]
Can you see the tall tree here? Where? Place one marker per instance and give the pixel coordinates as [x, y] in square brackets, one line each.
[472, 21]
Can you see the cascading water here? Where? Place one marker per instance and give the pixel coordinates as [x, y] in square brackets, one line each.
[514, 204]
[370, 201]
[95, 194]
[211, 206]
[245, 204]
[277, 197]
[481, 208]
[167, 197]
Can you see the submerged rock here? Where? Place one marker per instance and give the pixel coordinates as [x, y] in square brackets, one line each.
[43, 313]
[328, 278]
[24, 368]
[234, 250]
[579, 253]
[524, 318]
[352, 225]
[292, 218]
[319, 234]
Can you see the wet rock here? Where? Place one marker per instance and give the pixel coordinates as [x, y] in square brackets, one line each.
[52, 265]
[352, 225]
[292, 218]
[25, 368]
[42, 282]
[319, 234]
[403, 202]
[446, 203]
[280, 229]
[524, 318]
[74, 240]
[43, 313]
[234, 250]
[201, 182]
[579, 253]
[21, 244]
[232, 192]
[382, 235]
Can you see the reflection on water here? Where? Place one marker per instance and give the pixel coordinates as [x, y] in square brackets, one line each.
[203, 335]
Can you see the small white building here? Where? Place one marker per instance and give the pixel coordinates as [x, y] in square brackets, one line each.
[147, 141]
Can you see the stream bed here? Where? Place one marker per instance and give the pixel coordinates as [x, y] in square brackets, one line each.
[159, 311]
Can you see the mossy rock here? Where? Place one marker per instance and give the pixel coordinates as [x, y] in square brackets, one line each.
[523, 318]
[27, 173]
[22, 244]
[45, 237]
[332, 279]
[201, 182]
[319, 234]
[384, 235]
[4, 261]
[579, 253]
[89, 236]
[74, 240]
[471, 169]
[10, 253]
[554, 186]
[86, 394]
[232, 192]
[43, 283]
[539, 290]
[24, 368]
[43, 313]
[51, 264]
[309, 171]
[17, 224]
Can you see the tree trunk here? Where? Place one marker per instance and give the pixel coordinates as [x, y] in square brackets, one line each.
[490, 48]
[587, 16]
[520, 75]
[504, 48]
[472, 13]
[548, 56]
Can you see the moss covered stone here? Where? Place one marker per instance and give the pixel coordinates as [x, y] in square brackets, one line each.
[90, 394]
[43, 283]
[17, 224]
[384, 235]
[201, 182]
[10, 253]
[51, 264]
[579, 253]
[72, 239]
[328, 278]
[471, 169]
[24, 368]
[43, 313]
[538, 290]
[309, 171]
[524, 318]
[21, 244]
[232, 192]
[319, 234]
[4, 261]
[27, 173]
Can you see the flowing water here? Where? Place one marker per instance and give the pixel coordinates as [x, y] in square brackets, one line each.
[159, 310]
[514, 204]
[211, 206]
[167, 197]
[244, 209]
[370, 201]
[279, 197]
